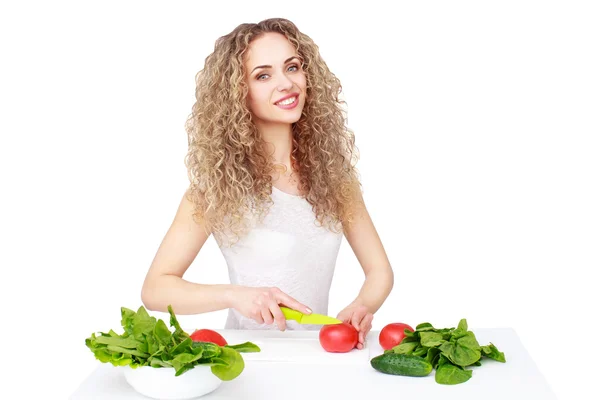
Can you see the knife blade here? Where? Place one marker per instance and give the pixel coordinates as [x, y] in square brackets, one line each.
[312, 319]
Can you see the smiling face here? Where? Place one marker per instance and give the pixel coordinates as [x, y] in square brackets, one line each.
[276, 81]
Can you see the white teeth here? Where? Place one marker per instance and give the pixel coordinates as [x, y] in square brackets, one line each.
[287, 101]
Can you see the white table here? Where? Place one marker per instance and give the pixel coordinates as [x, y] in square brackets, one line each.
[292, 366]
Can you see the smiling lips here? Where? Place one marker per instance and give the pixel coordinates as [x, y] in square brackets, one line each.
[288, 102]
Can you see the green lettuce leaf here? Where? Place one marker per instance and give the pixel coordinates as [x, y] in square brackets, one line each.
[146, 341]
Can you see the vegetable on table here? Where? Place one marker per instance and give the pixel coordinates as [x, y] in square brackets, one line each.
[450, 351]
[392, 334]
[401, 364]
[338, 338]
[147, 341]
[208, 335]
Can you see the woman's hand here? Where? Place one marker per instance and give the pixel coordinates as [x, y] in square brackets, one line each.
[360, 318]
[262, 304]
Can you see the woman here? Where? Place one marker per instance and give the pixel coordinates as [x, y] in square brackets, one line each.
[271, 171]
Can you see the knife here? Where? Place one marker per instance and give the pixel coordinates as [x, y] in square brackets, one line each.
[313, 319]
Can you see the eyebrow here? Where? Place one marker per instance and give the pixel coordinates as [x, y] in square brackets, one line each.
[270, 66]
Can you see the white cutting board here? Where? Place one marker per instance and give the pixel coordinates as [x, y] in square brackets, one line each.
[290, 346]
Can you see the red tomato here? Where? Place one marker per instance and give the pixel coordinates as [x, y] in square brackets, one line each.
[392, 334]
[207, 335]
[338, 338]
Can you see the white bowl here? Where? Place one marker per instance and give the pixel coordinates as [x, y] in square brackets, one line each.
[161, 383]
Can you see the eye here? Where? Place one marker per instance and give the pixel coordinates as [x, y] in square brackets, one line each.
[294, 67]
[260, 77]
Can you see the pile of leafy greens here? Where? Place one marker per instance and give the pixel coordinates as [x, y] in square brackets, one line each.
[147, 341]
[450, 351]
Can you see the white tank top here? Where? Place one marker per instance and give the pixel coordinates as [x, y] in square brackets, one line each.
[288, 251]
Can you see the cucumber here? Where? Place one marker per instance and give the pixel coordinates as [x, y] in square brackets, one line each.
[401, 364]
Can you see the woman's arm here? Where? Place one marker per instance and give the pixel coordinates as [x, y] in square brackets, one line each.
[379, 277]
[164, 284]
[366, 244]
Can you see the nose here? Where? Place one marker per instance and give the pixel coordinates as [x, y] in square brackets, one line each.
[284, 83]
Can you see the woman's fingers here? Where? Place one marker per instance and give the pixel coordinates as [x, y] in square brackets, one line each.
[361, 321]
[365, 327]
[266, 307]
[266, 315]
[257, 316]
[288, 301]
[356, 319]
[278, 315]
[365, 324]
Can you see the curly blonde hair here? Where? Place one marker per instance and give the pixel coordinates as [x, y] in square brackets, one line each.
[228, 166]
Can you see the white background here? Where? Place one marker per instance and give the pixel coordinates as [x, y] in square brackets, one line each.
[477, 123]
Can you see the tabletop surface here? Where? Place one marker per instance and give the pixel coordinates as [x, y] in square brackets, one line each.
[296, 356]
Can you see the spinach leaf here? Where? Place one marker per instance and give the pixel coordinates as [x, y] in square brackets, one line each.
[462, 351]
[431, 339]
[462, 325]
[233, 367]
[246, 347]
[425, 326]
[404, 347]
[127, 320]
[420, 351]
[127, 343]
[432, 356]
[179, 334]
[142, 324]
[182, 347]
[161, 333]
[492, 352]
[449, 374]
